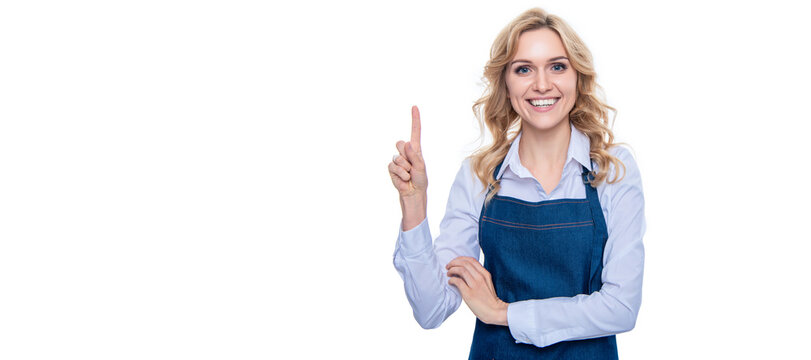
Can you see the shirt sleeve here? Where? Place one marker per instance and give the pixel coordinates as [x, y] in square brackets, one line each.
[421, 264]
[614, 308]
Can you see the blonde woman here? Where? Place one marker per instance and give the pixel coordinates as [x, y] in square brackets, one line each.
[555, 206]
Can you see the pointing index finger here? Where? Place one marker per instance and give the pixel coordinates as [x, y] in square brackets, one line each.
[415, 127]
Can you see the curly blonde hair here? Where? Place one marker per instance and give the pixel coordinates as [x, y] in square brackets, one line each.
[494, 111]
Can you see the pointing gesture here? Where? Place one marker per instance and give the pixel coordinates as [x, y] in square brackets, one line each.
[415, 128]
[407, 171]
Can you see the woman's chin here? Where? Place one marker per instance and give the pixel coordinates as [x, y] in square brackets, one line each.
[543, 123]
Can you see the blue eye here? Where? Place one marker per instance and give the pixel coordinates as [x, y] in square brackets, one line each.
[522, 70]
[559, 67]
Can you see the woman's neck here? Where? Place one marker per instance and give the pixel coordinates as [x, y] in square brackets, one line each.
[544, 150]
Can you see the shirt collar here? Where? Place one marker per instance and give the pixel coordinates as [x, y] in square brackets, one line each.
[579, 149]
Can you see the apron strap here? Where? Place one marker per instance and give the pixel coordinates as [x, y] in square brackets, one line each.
[495, 176]
[595, 282]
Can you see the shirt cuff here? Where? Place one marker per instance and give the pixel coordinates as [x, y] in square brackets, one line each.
[415, 241]
[519, 320]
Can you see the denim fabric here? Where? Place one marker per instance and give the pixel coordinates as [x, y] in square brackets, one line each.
[538, 250]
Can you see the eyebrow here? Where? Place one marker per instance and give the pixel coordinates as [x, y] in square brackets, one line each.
[548, 61]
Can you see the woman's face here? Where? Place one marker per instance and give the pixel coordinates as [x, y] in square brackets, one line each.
[540, 80]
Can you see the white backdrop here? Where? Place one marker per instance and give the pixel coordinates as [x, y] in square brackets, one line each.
[207, 179]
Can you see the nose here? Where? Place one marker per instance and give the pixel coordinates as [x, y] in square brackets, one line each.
[541, 83]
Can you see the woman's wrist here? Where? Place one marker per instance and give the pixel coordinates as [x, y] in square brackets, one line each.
[414, 209]
[501, 314]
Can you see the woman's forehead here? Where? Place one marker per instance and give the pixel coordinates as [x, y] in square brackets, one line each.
[539, 45]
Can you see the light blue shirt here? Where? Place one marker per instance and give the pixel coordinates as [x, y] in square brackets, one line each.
[541, 322]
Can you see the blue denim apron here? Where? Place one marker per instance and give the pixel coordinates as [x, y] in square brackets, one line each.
[539, 250]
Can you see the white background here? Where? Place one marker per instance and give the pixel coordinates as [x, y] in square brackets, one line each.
[207, 179]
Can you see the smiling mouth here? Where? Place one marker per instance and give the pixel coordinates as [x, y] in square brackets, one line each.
[543, 103]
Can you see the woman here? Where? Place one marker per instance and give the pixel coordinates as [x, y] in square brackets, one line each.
[555, 206]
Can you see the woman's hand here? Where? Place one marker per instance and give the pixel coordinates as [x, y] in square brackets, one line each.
[476, 286]
[407, 171]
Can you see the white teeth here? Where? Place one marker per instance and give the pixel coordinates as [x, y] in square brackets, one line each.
[545, 102]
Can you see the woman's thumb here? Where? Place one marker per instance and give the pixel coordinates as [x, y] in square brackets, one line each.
[414, 157]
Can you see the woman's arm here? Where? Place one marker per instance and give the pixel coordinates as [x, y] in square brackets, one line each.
[614, 308]
[421, 264]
